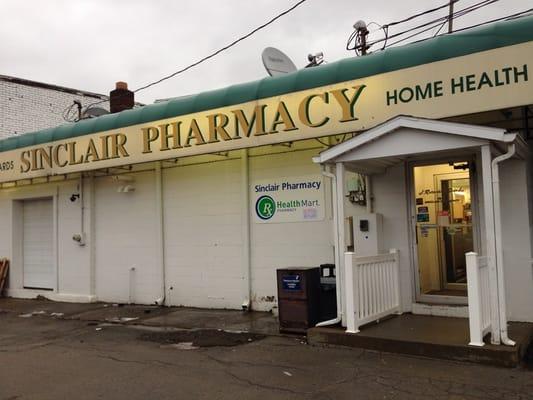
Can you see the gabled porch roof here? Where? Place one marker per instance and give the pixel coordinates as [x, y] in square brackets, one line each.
[406, 137]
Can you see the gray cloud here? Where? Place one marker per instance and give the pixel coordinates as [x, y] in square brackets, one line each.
[90, 44]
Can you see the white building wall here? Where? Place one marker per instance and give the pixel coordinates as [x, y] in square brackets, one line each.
[73, 267]
[203, 243]
[516, 240]
[73, 259]
[202, 212]
[126, 238]
[303, 244]
[390, 200]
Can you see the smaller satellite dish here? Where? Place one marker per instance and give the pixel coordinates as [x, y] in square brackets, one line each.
[94, 112]
[276, 62]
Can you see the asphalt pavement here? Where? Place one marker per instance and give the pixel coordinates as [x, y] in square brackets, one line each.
[45, 356]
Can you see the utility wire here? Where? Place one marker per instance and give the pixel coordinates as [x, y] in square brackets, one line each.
[194, 64]
[215, 53]
[439, 20]
[471, 26]
[446, 18]
[419, 14]
[385, 28]
[511, 16]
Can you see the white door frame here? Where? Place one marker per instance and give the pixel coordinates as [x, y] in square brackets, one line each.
[438, 299]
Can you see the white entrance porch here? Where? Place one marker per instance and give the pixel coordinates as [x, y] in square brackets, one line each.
[376, 281]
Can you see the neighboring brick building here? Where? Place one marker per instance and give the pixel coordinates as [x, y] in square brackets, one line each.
[27, 106]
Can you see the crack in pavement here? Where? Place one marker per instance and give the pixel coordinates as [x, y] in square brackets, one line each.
[253, 364]
[263, 386]
[141, 362]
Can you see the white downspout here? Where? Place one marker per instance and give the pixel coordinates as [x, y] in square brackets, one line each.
[82, 203]
[160, 240]
[336, 243]
[511, 149]
[247, 255]
[92, 237]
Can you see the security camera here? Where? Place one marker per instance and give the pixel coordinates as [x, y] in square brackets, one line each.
[315, 57]
[79, 238]
[360, 25]
[74, 197]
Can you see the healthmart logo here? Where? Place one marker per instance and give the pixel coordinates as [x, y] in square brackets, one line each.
[265, 207]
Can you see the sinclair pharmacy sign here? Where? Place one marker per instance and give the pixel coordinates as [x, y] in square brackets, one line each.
[484, 81]
[294, 199]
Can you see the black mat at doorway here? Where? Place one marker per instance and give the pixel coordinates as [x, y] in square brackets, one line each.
[448, 292]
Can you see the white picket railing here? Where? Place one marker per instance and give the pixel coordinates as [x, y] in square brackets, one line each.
[477, 272]
[372, 288]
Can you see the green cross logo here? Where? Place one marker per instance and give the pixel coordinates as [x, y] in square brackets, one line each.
[265, 207]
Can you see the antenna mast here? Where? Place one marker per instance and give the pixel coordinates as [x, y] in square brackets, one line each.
[450, 16]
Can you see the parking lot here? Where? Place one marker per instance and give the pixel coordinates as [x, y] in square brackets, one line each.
[45, 356]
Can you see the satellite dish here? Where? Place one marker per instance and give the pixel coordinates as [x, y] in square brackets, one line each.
[94, 112]
[276, 62]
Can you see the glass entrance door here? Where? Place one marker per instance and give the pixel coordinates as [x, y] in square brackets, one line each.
[444, 227]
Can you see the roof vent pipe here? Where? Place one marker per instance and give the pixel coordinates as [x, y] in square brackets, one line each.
[121, 98]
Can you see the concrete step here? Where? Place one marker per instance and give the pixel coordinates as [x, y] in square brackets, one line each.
[428, 336]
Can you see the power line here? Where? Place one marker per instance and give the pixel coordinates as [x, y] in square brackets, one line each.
[419, 14]
[471, 26]
[437, 21]
[253, 31]
[356, 34]
[215, 53]
[511, 16]
[444, 19]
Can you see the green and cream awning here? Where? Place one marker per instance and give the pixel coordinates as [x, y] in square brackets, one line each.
[482, 69]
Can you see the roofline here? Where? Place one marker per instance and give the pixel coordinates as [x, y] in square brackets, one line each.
[42, 85]
[402, 121]
[488, 37]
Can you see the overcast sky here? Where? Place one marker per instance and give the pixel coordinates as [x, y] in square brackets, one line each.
[90, 44]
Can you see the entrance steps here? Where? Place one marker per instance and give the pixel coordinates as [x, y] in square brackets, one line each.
[428, 336]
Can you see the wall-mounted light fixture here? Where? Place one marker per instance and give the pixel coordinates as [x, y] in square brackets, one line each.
[126, 189]
[126, 183]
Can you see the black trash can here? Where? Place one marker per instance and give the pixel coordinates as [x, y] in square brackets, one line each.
[298, 299]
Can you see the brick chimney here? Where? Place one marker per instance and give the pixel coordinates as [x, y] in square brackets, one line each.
[121, 98]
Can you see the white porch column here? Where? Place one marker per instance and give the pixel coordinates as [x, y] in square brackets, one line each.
[488, 208]
[339, 178]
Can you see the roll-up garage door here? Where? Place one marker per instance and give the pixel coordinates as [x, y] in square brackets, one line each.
[38, 254]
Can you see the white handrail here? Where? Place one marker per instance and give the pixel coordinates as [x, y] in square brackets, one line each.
[372, 288]
[479, 307]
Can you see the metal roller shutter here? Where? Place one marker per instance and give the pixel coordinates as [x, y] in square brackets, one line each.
[38, 244]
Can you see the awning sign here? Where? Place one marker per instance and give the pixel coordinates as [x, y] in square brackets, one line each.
[292, 199]
[495, 79]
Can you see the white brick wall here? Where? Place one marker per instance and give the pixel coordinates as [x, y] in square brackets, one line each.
[26, 107]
